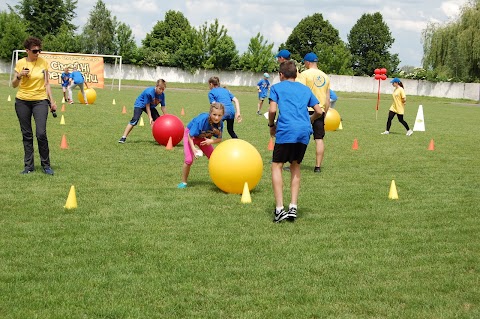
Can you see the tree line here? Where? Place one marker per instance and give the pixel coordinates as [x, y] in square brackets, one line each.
[173, 42]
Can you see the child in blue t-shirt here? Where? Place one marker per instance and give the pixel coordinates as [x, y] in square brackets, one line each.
[203, 131]
[77, 79]
[292, 133]
[224, 96]
[65, 77]
[263, 85]
[147, 102]
[333, 99]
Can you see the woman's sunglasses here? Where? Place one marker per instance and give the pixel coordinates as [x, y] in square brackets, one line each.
[36, 51]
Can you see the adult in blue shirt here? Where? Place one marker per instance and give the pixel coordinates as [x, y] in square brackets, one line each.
[147, 102]
[77, 79]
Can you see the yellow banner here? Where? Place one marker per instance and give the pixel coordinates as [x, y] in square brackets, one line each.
[90, 66]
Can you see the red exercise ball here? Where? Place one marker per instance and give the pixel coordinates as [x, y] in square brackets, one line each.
[167, 126]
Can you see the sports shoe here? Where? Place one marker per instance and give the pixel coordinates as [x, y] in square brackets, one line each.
[386, 133]
[292, 214]
[317, 169]
[48, 170]
[279, 216]
[182, 185]
[286, 168]
[258, 113]
[122, 140]
[409, 132]
[26, 171]
[71, 102]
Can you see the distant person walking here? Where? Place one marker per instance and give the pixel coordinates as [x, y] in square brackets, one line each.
[398, 106]
[262, 86]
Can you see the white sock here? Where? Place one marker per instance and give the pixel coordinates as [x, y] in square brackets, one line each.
[278, 209]
[292, 206]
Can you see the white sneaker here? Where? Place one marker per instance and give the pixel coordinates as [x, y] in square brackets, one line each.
[386, 133]
[409, 132]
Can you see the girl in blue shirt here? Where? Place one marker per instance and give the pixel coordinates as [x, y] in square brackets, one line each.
[224, 96]
[203, 131]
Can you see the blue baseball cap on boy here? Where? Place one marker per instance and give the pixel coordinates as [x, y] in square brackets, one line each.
[395, 80]
[310, 57]
[283, 54]
[266, 75]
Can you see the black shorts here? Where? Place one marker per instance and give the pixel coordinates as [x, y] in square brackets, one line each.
[319, 128]
[289, 152]
[137, 112]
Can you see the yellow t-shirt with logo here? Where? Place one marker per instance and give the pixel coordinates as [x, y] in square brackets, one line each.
[318, 82]
[398, 106]
[32, 87]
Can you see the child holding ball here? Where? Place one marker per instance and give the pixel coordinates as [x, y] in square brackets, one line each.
[147, 102]
[203, 130]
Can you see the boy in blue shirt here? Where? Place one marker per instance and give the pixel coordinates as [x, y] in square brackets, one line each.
[65, 77]
[292, 134]
[147, 102]
[263, 85]
[76, 79]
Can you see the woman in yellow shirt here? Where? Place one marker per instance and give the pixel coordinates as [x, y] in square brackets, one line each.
[34, 98]
[398, 106]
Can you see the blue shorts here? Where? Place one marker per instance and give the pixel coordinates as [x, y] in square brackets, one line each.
[137, 112]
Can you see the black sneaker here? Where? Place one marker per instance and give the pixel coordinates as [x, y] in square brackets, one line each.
[122, 140]
[292, 214]
[317, 169]
[48, 170]
[279, 216]
[26, 171]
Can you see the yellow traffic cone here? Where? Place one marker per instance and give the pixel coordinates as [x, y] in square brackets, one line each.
[141, 122]
[246, 194]
[113, 102]
[62, 120]
[340, 127]
[393, 191]
[71, 199]
[63, 99]
[9, 99]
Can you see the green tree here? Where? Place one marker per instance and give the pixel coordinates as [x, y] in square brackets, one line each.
[310, 32]
[13, 34]
[99, 32]
[189, 55]
[334, 59]
[259, 56]
[369, 43]
[163, 42]
[64, 41]
[219, 51]
[44, 17]
[125, 43]
[452, 51]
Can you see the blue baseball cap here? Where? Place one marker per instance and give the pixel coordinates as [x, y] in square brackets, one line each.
[266, 75]
[310, 57]
[395, 80]
[283, 54]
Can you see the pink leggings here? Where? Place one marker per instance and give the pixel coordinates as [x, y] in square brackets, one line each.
[187, 150]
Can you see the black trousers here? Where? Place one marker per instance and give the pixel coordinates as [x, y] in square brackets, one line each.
[39, 110]
[230, 130]
[391, 115]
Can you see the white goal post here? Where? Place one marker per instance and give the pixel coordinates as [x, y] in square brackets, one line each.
[117, 69]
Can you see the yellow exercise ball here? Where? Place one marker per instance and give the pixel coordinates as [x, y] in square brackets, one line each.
[234, 162]
[332, 120]
[91, 96]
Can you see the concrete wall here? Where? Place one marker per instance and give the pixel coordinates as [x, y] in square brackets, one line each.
[342, 83]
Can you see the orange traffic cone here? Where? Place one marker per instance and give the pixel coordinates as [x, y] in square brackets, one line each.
[63, 107]
[169, 144]
[63, 144]
[355, 145]
[431, 146]
[182, 113]
[124, 110]
[271, 144]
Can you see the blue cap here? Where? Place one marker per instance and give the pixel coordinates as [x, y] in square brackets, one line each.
[395, 80]
[266, 75]
[283, 54]
[310, 57]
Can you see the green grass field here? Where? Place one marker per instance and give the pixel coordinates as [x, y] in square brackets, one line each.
[138, 247]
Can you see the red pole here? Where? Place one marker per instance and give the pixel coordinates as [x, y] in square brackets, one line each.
[378, 100]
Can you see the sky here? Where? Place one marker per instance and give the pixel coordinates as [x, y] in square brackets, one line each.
[275, 20]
